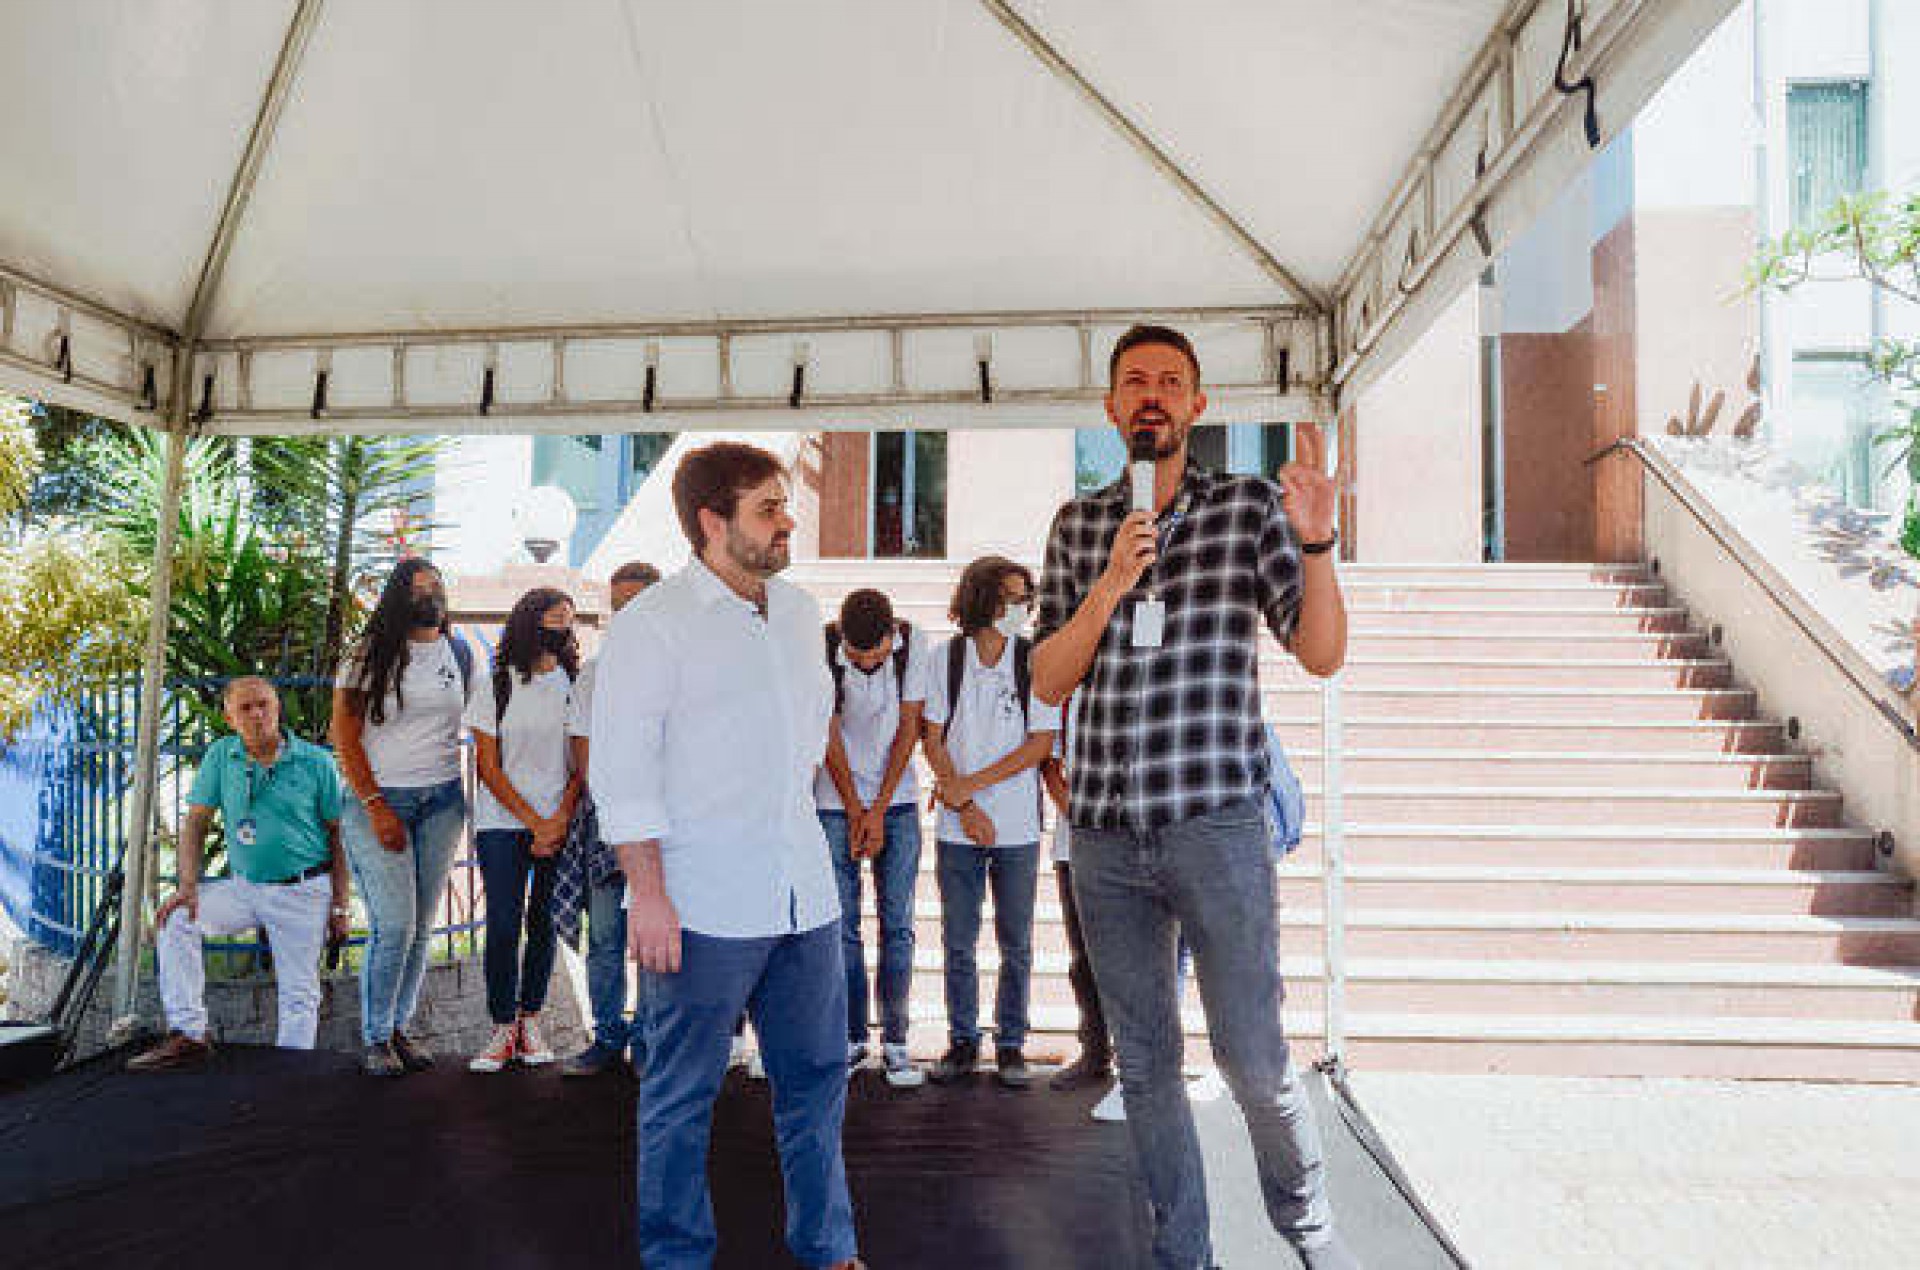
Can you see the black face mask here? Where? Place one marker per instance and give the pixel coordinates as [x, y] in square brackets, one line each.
[428, 610]
[552, 641]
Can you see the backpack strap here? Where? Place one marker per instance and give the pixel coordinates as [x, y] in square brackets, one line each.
[502, 693]
[834, 667]
[902, 644]
[463, 657]
[1023, 676]
[956, 670]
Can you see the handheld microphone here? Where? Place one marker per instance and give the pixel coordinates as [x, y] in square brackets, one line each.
[1141, 460]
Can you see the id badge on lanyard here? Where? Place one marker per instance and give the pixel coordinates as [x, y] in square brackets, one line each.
[1150, 614]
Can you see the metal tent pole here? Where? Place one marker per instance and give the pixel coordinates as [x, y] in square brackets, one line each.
[146, 753]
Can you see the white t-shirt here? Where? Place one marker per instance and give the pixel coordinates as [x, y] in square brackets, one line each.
[987, 727]
[419, 744]
[869, 717]
[533, 744]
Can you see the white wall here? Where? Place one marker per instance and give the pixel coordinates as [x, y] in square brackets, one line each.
[475, 488]
[1418, 445]
[1003, 488]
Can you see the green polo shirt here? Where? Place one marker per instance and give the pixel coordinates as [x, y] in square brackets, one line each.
[290, 805]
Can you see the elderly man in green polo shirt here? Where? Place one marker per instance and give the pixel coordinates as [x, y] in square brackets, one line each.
[279, 797]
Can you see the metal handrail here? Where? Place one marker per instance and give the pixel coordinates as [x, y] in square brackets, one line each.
[1756, 568]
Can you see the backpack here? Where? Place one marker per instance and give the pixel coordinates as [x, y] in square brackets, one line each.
[1286, 800]
[903, 644]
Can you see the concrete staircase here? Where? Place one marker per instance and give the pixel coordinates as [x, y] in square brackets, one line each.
[1571, 845]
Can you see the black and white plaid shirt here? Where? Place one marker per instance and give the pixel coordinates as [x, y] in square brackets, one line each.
[1165, 734]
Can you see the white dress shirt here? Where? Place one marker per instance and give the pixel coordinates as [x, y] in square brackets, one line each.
[708, 723]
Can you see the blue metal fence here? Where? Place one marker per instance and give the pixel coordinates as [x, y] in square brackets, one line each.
[65, 790]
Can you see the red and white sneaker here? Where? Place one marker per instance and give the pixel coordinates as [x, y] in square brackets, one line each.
[534, 1050]
[502, 1048]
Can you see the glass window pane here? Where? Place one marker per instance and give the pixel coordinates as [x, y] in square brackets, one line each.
[929, 539]
[1826, 146]
[573, 464]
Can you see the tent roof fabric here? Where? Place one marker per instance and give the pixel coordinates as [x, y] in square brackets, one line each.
[485, 162]
[473, 165]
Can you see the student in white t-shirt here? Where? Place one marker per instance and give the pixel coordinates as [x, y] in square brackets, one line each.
[987, 734]
[869, 807]
[396, 736]
[528, 789]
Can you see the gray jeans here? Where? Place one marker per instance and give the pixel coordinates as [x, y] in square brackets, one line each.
[1212, 878]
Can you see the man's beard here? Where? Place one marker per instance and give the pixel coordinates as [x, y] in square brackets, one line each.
[1167, 439]
[755, 559]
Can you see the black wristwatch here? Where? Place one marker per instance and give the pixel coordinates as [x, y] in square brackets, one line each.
[1319, 548]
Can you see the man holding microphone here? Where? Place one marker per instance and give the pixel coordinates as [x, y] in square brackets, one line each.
[1151, 600]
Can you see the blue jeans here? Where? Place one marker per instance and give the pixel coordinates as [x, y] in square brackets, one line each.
[402, 891]
[516, 979]
[792, 985]
[895, 870]
[966, 871]
[1211, 879]
[607, 966]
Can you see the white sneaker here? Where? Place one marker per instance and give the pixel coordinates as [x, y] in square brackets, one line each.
[901, 1073]
[502, 1048]
[1206, 1087]
[1113, 1108]
[737, 1056]
[534, 1050]
[756, 1068]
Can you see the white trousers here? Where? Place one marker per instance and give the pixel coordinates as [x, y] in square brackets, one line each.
[295, 918]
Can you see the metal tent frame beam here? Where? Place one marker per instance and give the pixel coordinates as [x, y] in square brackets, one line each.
[140, 842]
[1057, 62]
[1500, 148]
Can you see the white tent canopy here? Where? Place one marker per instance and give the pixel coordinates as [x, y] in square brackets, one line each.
[273, 216]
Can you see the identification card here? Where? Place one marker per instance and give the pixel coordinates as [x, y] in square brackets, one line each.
[245, 833]
[1149, 623]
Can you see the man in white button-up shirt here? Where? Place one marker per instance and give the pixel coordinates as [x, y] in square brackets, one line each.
[709, 719]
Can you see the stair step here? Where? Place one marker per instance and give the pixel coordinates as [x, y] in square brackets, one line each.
[1582, 1045]
[1578, 805]
[1299, 728]
[1680, 769]
[1709, 847]
[1527, 988]
[1508, 672]
[1574, 936]
[1533, 705]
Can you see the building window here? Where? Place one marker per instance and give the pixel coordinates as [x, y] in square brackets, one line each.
[600, 473]
[573, 464]
[1252, 449]
[1837, 407]
[907, 508]
[1826, 146]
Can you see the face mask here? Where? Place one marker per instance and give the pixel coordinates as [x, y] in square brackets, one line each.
[1013, 621]
[428, 610]
[552, 641]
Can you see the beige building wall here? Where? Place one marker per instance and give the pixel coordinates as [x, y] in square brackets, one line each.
[1418, 441]
[1003, 487]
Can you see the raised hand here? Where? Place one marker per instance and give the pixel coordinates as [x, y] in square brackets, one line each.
[1312, 499]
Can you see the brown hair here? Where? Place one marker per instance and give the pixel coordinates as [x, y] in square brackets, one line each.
[976, 600]
[1139, 335]
[713, 478]
[636, 571]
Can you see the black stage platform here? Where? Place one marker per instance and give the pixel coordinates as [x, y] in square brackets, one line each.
[279, 1160]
